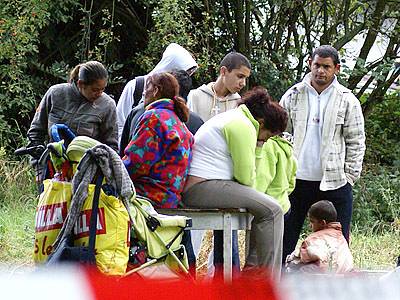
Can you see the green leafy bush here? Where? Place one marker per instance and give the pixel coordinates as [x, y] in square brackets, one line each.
[377, 199]
[277, 79]
[21, 86]
[376, 195]
[382, 132]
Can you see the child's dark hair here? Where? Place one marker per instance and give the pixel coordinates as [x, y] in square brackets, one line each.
[323, 210]
[234, 60]
[88, 72]
[168, 87]
[262, 106]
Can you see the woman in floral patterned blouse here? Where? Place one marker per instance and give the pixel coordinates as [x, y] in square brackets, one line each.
[158, 156]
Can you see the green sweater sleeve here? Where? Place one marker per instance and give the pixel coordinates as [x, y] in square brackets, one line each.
[260, 171]
[241, 140]
[266, 167]
[292, 178]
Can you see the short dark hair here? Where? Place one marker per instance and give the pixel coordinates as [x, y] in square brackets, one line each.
[88, 72]
[323, 210]
[262, 106]
[327, 51]
[185, 82]
[234, 60]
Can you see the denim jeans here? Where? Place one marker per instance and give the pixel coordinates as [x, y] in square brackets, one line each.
[219, 253]
[265, 236]
[306, 194]
[187, 242]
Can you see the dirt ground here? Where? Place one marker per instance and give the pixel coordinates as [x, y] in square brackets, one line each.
[206, 247]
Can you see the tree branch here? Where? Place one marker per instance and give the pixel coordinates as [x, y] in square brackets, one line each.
[248, 7]
[240, 27]
[348, 36]
[372, 34]
[364, 88]
[307, 30]
[378, 94]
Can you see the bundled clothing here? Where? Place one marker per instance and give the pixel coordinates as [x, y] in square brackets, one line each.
[325, 250]
[159, 154]
[105, 159]
[175, 57]
[276, 170]
[64, 104]
[207, 104]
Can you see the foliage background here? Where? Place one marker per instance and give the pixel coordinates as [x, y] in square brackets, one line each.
[41, 40]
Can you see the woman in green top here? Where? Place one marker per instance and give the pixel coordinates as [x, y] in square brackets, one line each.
[223, 172]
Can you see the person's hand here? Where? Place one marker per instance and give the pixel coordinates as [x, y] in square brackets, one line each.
[260, 143]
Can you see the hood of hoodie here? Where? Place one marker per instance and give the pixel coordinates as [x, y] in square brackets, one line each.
[175, 57]
[208, 90]
[284, 144]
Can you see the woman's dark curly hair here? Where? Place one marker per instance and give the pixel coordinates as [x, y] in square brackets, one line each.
[262, 106]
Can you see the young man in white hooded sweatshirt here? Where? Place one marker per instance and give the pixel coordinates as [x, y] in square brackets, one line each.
[175, 57]
[216, 97]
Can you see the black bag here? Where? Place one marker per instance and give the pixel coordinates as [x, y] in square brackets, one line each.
[133, 116]
[66, 252]
[138, 93]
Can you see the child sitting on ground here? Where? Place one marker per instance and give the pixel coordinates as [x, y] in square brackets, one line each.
[324, 250]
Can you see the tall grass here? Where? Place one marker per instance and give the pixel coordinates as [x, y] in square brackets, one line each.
[375, 251]
[17, 209]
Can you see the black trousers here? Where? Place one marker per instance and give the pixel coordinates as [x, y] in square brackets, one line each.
[187, 242]
[306, 194]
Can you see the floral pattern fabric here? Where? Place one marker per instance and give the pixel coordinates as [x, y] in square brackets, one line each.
[158, 156]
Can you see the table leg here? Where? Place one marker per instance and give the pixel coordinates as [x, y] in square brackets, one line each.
[227, 247]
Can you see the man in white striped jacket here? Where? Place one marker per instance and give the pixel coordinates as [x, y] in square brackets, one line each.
[327, 124]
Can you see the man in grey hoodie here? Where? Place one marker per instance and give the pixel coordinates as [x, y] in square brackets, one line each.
[221, 95]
